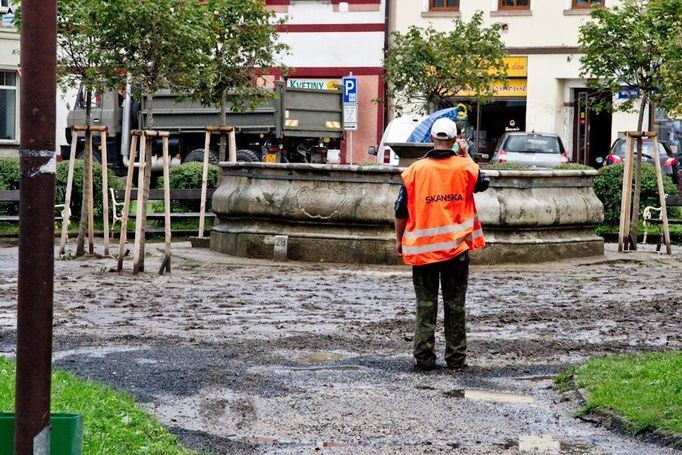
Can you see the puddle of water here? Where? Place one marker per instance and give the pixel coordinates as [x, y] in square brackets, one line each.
[546, 444]
[320, 357]
[501, 397]
[539, 444]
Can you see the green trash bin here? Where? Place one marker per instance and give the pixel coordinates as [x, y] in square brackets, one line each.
[66, 434]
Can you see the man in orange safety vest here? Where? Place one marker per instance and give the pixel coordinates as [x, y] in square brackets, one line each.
[436, 226]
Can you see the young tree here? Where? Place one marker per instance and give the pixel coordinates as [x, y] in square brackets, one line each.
[426, 67]
[160, 45]
[85, 56]
[242, 47]
[636, 45]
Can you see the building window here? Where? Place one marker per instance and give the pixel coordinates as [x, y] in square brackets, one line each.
[587, 3]
[514, 4]
[443, 5]
[8, 106]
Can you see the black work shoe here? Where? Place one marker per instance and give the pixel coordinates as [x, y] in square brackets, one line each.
[425, 366]
[457, 366]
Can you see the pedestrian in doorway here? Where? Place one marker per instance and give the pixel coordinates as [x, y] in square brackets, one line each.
[436, 226]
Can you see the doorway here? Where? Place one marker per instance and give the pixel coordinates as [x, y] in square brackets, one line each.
[591, 129]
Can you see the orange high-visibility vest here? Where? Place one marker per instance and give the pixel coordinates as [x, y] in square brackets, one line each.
[442, 219]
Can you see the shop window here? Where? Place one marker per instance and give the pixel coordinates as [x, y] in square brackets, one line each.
[443, 5]
[514, 4]
[8, 106]
[577, 4]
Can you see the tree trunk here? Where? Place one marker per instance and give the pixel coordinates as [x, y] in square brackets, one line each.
[87, 166]
[223, 121]
[634, 226]
[147, 175]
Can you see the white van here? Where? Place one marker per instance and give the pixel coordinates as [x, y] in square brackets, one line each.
[398, 130]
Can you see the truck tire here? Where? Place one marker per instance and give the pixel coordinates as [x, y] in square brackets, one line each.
[247, 155]
[197, 155]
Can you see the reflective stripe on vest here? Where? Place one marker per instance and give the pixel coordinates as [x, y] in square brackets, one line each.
[428, 232]
[471, 239]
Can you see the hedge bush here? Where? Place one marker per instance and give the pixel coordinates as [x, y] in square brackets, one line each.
[608, 186]
[573, 167]
[9, 180]
[506, 166]
[188, 176]
[77, 188]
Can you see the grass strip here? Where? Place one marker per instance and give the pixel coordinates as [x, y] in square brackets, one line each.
[644, 390]
[112, 422]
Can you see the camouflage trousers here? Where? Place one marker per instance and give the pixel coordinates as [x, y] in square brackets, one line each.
[453, 276]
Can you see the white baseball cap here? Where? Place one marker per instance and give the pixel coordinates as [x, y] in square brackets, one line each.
[444, 129]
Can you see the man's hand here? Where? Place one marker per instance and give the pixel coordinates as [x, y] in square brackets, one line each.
[400, 224]
[463, 147]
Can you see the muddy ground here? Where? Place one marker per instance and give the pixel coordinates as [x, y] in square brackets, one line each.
[242, 356]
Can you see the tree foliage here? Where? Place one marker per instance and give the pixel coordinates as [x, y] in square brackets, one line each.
[242, 46]
[427, 67]
[637, 44]
[159, 43]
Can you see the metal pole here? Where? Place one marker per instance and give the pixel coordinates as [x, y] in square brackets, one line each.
[36, 226]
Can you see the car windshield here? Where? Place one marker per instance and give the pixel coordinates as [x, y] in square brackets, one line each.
[533, 144]
[647, 147]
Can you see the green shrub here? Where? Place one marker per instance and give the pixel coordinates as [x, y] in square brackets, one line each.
[9, 180]
[188, 176]
[9, 174]
[573, 167]
[608, 186]
[77, 188]
[507, 166]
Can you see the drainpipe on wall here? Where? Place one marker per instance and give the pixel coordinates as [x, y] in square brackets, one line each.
[387, 24]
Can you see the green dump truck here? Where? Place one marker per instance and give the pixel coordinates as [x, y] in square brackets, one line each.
[297, 125]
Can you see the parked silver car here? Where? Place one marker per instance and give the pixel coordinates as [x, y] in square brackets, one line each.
[533, 149]
[669, 163]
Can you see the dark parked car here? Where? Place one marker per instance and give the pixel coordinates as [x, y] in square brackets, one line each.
[669, 163]
[534, 149]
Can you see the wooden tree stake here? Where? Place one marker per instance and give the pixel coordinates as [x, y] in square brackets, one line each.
[167, 208]
[105, 191]
[66, 217]
[126, 202]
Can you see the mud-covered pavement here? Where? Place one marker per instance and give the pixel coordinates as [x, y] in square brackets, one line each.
[248, 356]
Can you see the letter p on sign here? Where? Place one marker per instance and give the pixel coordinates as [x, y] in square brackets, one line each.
[350, 90]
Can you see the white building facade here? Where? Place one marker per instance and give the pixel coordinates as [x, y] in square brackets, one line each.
[9, 83]
[547, 93]
[332, 39]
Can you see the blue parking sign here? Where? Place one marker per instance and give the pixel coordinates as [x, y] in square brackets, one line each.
[350, 90]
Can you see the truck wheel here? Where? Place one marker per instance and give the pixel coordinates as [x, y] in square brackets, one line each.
[197, 155]
[247, 155]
